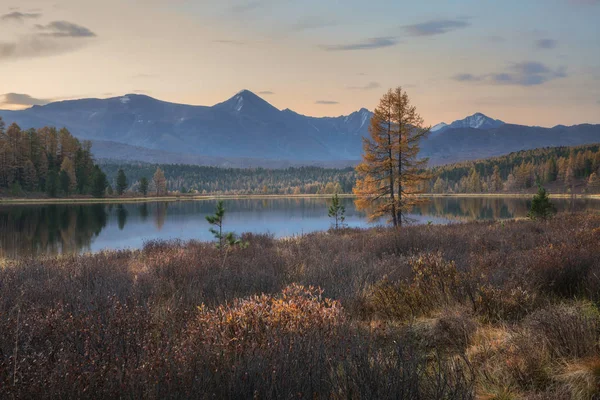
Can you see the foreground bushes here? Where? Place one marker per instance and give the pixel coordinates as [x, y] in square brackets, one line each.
[438, 312]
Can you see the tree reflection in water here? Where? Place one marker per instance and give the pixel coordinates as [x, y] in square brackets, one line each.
[54, 229]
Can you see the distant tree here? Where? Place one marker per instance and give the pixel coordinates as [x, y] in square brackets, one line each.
[121, 182]
[439, 185]
[496, 184]
[15, 189]
[474, 182]
[389, 176]
[30, 176]
[99, 182]
[337, 211]
[69, 169]
[541, 206]
[52, 183]
[594, 183]
[65, 182]
[160, 182]
[144, 186]
[551, 170]
[109, 190]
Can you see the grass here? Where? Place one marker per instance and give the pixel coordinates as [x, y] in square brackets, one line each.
[477, 310]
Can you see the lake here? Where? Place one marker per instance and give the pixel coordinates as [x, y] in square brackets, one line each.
[74, 228]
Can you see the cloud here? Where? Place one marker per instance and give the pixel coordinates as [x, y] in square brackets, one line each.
[55, 38]
[436, 27]
[527, 73]
[466, 78]
[326, 102]
[266, 93]
[65, 29]
[544, 44]
[19, 16]
[368, 86]
[19, 99]
[369, 44]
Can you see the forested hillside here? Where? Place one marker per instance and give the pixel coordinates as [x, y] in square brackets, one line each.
[47, 160]
[203, 180]
[564, 169]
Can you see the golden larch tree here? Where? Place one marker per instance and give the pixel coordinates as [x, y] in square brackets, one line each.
[160, 182]
[390, 176]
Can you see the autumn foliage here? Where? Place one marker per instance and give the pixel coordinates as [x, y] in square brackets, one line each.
[476, 310]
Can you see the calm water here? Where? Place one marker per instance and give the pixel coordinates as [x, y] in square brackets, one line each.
[52, 229]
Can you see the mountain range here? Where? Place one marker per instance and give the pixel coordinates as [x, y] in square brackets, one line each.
[247, 131]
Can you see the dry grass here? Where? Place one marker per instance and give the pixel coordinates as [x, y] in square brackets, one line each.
[493, 310]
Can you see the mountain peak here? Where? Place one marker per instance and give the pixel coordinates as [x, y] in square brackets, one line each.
[246, 101]
[475, 121]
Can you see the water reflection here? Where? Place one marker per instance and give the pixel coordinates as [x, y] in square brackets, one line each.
[55, 229]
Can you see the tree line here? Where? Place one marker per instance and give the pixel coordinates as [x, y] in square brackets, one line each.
[47, 160]
[147, 178]
[566, 169]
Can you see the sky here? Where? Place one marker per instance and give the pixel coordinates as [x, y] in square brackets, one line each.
[533, 62]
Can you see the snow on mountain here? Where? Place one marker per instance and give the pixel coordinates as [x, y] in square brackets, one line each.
[475, 121]
[439, 126]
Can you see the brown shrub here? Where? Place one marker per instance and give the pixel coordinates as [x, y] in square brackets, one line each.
[498, 304]
[260, 321]
[570, 330]
[434, 284]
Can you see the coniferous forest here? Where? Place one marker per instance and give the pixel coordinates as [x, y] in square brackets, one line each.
[54, 162]
[565, 169]
[215, 180]
[47, 160]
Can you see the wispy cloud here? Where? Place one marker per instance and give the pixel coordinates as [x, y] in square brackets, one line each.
[327, 102]
[369, 44]
[19, 16]
[527, 73]
[20, 99]
[436, 27]
[266, 93]
[65, 29]
[368, 86]
[55, 38]
[467, 78]
[544, 44]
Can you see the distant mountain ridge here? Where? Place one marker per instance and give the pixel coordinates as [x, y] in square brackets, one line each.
[246, 130]
[475, 121]
[243, 126]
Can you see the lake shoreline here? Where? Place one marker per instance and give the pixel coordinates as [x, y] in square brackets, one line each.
[44, 201]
